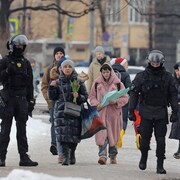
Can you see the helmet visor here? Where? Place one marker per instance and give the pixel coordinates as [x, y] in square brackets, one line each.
[156, 57]
[20, 40]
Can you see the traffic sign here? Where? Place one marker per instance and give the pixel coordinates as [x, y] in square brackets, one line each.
[13, 26]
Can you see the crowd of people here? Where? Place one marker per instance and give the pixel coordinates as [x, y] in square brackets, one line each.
[152, 91]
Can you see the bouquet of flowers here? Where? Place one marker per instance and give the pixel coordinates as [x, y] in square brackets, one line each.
[75, 88]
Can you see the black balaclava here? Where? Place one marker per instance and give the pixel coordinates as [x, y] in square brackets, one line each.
[155, 70]
[18, 52]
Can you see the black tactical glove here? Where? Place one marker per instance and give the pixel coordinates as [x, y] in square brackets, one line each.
[131, 115]
[31, 105]
[11, 69]
[173, 117]
[37, 82]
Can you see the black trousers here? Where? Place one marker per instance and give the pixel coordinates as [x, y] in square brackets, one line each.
[160, 129]
[17, 107]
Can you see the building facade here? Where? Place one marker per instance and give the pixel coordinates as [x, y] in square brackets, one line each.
[126, 31]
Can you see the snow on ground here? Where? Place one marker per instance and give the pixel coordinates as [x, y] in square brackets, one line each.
[18, 174]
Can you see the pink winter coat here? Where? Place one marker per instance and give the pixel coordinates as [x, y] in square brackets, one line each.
[111, 114]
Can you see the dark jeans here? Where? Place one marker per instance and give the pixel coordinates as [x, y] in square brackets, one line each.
[53, 135]
[17, 107]
[160, 130]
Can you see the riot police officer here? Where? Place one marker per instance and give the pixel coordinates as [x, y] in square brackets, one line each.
[17, 79]
[154, 89]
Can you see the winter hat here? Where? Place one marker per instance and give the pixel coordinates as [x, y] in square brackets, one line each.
[120, 61]
[99, 49]
[67, 62]
[63, 58]
[57, 49]
[177, 66]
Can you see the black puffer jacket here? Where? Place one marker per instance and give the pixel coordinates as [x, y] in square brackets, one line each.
[67, 128]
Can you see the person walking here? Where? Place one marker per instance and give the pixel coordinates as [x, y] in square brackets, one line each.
[175, 129]
[54, 75]
[111, 114]
[17, 79]
[154, 89]
[68, 127]
[120, 65]
[93, 72]
[57, 54]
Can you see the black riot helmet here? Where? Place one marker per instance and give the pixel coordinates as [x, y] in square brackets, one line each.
[156, 56]
[17, 40]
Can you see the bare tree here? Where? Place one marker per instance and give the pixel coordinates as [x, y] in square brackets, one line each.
[6, 10]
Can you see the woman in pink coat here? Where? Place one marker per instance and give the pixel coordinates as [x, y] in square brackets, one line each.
[111, 114]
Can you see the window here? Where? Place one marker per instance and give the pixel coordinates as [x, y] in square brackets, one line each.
[134, 16]
[137, 56]
[113, 11]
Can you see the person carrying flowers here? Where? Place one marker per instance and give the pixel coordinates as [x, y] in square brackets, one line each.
[68, 88]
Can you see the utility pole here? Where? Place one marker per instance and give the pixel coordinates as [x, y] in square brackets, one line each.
[24, 18]
[91, 44]
[59, 28]
[150, 25]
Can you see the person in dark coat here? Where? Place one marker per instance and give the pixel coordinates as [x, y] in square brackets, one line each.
[175, 129]
[67, 127]
[154, 89]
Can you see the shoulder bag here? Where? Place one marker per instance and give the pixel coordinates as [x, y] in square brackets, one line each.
[70, 108]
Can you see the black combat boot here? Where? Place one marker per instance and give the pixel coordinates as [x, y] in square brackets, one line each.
[66, 155]
[72, 157]
[160, 168]
[26, 161]
[2, 163]
[2, 160]
[143, 160]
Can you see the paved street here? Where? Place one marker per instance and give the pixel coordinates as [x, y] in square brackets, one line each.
[86, 154]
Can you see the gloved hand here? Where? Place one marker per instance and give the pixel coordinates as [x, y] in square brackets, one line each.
[31, 105]
[11, 69]
[173, 117]
[37, 82]
[131, 115]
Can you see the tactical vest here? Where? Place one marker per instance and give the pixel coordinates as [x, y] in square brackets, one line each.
[154, 91]
[18, 81]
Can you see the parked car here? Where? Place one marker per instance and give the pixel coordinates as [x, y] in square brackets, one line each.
[133, 70]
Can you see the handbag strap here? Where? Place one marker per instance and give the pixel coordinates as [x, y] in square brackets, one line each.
[63, 91]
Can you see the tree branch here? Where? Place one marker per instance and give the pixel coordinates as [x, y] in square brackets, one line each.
[54, 7]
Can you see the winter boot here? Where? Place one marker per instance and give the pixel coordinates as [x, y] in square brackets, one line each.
[53, 149]
[72, 157]
[102, 160]
[66, 155]
[113, 160]
[26, 161]
[177, 154]
[160, 168]
[143, 160]
[2, 163]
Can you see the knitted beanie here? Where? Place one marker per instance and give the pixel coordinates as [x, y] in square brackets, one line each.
[58, 49]
[99, 49]
[67, 62]
[177, 66]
